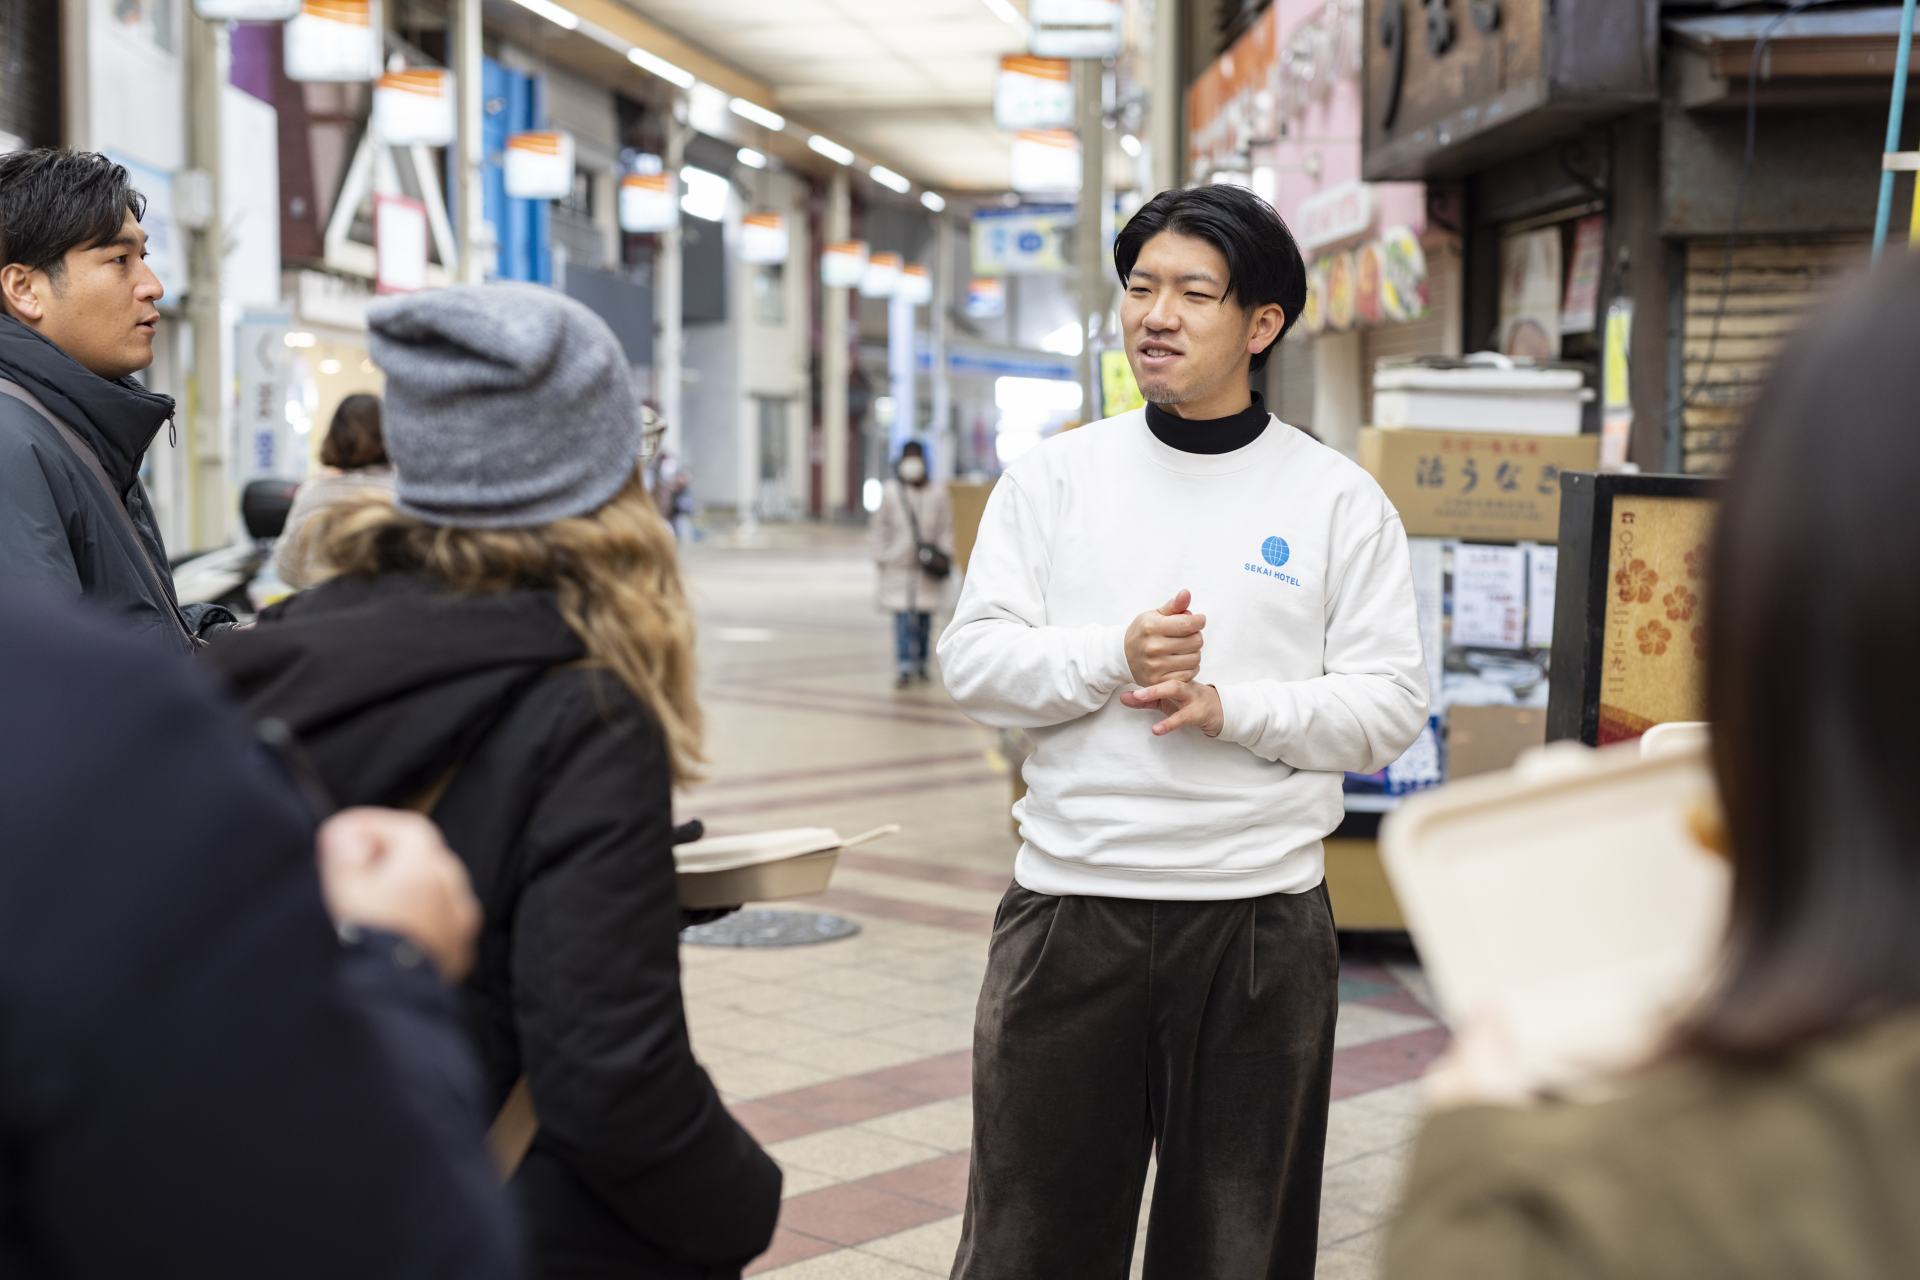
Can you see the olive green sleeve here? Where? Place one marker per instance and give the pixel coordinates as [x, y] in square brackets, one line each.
[1481, 1202]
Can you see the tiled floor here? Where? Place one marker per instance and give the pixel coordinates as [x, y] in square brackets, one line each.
[849, 1059]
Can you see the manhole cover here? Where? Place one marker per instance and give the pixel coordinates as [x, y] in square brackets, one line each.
[770, 929]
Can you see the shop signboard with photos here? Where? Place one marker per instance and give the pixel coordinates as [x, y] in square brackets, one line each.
[334, 41]
[414, 108]
[1024, 240]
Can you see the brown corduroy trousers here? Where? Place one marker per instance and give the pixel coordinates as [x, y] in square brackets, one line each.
[1111, 1028]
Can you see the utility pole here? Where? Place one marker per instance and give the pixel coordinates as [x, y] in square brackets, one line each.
[208, 501]
[835, 360]
[1164, 97]
[946, 439]
[670, 291]
[1089, 240]
[470, 126]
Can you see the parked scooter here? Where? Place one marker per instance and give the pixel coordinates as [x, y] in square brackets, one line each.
[242, 576]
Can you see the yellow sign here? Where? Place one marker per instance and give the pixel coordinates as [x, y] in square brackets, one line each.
[1119, 393]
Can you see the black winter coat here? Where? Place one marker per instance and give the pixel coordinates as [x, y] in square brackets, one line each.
[196, 1079]
[561, 808]
[58, 535]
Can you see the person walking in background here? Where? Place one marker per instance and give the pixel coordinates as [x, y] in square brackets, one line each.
[355, 455]
[198, 1077]
[1162, 972]
[507, 644]
[78, 314]
[1779, 1137]
[912, 539]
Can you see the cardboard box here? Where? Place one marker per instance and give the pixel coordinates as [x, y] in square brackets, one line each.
[1475, 484]
[1489, 739]
[969, 504]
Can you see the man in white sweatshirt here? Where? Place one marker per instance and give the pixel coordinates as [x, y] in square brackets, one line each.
[1203, 618]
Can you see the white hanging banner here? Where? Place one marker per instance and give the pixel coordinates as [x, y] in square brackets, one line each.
[246, 10]
[414, 108]
[646, 203]
[540, 165]
[764, 241]
[881, 277]
[916, 284]
[400, 240]
[844, 265]
[1033, 93]
[334, 41]
[1046, 160]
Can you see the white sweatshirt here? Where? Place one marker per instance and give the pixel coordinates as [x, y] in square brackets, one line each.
[1300, 565]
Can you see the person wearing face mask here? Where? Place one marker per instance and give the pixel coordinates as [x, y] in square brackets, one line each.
[913, 548]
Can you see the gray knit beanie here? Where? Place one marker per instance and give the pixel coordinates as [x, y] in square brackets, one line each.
[507, 405]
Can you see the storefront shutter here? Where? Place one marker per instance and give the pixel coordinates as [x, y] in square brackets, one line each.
[30, 71]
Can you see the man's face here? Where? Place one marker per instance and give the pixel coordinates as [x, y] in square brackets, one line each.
[99, 308]
[1187, 340]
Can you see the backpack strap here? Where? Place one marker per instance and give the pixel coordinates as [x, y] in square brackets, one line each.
[87, 458]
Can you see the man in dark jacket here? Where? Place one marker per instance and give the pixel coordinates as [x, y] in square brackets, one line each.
[196, 1078]
[77, 321]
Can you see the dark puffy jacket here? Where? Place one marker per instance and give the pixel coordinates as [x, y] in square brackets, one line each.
[561, 809]
[196, 1079]
[58, 535]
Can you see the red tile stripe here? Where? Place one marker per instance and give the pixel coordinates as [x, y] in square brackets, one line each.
[831, 1104]
[854, 1213]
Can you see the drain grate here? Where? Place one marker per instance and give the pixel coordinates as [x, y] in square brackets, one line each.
[770, 929]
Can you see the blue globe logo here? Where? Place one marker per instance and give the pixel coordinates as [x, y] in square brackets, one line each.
[1275, 551]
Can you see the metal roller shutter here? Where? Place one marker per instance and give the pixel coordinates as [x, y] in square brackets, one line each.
[1289, 390]
[30, 71]
[1434, 334]
[1771, 284]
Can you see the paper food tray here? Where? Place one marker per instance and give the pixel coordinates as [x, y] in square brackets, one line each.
[762, 867]
[1568, 896]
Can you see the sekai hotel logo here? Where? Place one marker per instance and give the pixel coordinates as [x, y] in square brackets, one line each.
[1276, 553]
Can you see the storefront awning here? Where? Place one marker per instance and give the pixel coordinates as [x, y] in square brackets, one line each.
[1820, 56]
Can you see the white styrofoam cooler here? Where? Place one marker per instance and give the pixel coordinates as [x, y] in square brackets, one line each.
[1479, 395]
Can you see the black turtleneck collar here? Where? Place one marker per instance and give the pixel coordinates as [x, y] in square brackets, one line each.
[118, 419]
[1209, 435]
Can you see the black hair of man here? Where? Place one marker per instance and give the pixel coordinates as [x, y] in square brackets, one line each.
[1263, 262]
[53, 201]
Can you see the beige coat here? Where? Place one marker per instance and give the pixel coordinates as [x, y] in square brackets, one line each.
[903, 588]
[294, 558]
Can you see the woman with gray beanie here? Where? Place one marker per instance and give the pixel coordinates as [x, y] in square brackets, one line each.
[507, 646]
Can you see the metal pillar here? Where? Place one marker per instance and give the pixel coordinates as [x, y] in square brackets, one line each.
[1896, 111]
[469, 203]
[946, 440]
[1166, 99]
[669, 295]
[208, 501]
[835, 358]
[903, 374]
[1089, 243]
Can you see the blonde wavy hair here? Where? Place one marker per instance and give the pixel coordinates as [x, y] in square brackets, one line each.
[616, 572]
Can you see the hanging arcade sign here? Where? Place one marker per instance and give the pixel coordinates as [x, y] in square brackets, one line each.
[1045, 160]
[844, 265]
[540, 165]
[916, 284]
[646, 204]
[1033, 93]
[764, 241]
[1077, 28]
[414, 108]
[881, 277]
[245, 10]
[334, 42]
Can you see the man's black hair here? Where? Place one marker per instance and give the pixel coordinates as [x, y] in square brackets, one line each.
[53, 200]
[1263, 263]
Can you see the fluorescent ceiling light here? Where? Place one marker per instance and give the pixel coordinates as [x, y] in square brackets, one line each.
[677, 76]
[551, 12]
[830, 149]
[888, 178]
[758, 114]
[703, 194]
[934, 201]
[1007, 14]
[751, 158]
[1130, 145]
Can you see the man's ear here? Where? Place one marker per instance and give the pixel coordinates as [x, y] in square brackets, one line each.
[1268, 321]
[22, 292]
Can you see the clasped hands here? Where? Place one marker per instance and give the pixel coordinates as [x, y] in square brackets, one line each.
[1163, 655]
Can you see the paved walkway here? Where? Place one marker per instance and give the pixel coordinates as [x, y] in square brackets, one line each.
[849, 1059]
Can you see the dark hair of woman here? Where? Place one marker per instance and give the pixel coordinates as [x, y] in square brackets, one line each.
[1813, 625]
[1263, 263]
[354, 441]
